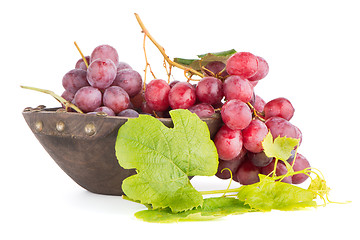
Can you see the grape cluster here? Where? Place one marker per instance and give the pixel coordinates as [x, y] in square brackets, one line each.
[105, 85]
[113, 87]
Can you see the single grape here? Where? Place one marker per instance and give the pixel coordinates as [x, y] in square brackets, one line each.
[122, 66]
[105, 52]
[129, 113]
[236, 114]
[253, 135]
[215, 69]
[280, 170]
[129, 80]
[101, 73]
[138, 99]
[223, 173]
[247, 173]
[74, 80]
[88, 99]
[235, 87]
[68, 96]
[228, 143]
[283, 128]
[259, 159]
[203, 110]
[80, 64]
[157, 95]
[182, 96]
[300, 164]
[279, 107]
[116, 98]
[263, 70]
[209, 90]
[259, 104]
[243, 64]
[106, 110]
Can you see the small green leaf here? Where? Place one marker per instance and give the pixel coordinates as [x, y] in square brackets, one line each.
[269, 194]
[280, 148]
[212, 208]
[164, 158]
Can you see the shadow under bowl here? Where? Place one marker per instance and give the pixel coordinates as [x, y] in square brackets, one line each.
[83, 145]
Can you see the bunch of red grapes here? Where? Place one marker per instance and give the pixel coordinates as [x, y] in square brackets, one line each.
[114, 88]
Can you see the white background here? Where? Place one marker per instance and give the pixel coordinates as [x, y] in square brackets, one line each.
[313, 51]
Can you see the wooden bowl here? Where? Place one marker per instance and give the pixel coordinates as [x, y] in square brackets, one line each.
[83, 145]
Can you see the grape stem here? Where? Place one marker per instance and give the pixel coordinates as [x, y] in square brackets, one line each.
[67, 104]
[162, 50]
[82, 55]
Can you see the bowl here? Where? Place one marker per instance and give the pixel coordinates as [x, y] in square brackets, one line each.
[83, 145]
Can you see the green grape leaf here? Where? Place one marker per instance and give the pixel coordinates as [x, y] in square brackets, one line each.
[164, 158]
[279, 148]
[269, 194]
[212, 208]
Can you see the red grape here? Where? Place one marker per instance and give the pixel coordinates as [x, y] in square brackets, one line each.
[106, 110]
[129, 80]
[101, 73]
[122, 66]
[214, 68]
[80, 64]
[233, 165]
[235, 87]
[116, 98]
[228, 143]
[259, 159]
[236, 114]
[263, 70]
[259, 103]
[128, 113]
[182, 96]
[68, 96]
[253, 135]
[279, 107]
[74, 80]
[209, 90]
[105, 52]
[283, 128]
[157, 95]
[300, 164]
[247, 173]
[88, 99]
[203, 110]
[280, 170]
[243, 64]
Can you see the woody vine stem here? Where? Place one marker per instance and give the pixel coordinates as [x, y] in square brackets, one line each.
[162, 50]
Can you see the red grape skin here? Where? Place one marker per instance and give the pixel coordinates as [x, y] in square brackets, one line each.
[235, 87]
[129, 80]
[128, 113]
[263, 70]
[68, 96]
[280, 170]
[157, 95]
[236, 114]
[283, 128]
[105, 52]
[300, 164]
[74, 80]
[259, 103]
[80, 63]
[233, 165]
[209, 90]
[259, 159]
[88, 98]
[228, 143]
[182, 96]
[214, 68]
[203, 110]
[247, 173]
[122, 66]
[106, 110]
[101, 73]
[279, 107]
[253, 135]
[116, 98]
[243, 64]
